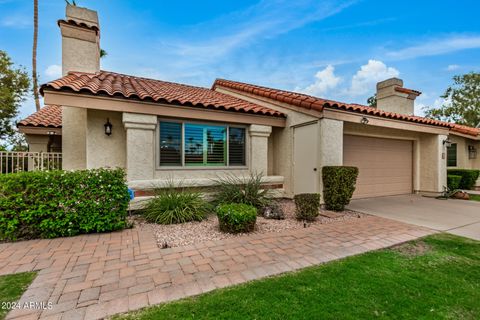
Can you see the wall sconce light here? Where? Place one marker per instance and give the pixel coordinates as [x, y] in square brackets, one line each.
[108, 127]
[364, 120]
[447, 143]
[51, 133]
[472, 152]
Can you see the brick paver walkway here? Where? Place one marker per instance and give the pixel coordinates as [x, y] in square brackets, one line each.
[94, 276]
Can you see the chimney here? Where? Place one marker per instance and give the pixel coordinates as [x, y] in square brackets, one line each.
[80, 40]
[393, 97]
[80, 52]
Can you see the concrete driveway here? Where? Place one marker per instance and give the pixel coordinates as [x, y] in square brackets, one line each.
[458, 217]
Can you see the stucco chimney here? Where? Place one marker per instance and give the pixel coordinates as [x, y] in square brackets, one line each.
[80, 52]
[80, 40]
[393, 97]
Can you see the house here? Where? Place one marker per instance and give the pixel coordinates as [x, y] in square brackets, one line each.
[160, 130]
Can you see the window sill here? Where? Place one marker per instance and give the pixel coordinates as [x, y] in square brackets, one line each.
[200, 168]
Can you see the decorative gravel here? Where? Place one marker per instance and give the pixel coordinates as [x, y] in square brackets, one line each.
[183, 234]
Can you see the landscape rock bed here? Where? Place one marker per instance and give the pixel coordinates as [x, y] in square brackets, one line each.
[183, 234]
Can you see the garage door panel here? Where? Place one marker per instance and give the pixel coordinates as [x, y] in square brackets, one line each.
[385, 165]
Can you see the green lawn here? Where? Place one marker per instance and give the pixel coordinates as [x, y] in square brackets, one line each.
[474, 197]
[11, 288]
[434, 278]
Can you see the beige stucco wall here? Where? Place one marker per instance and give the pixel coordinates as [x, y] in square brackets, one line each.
[330, 146]
[463, 162]
[37, 142]
[103, 150]
[74, 138]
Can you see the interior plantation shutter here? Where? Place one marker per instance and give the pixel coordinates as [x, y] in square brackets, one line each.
[170, 144]
[236, 146]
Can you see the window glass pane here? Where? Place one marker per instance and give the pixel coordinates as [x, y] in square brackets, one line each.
[205, 145]
[236, 147]
[194, 144]
[452, 155]
[170, 144]
[216, 144]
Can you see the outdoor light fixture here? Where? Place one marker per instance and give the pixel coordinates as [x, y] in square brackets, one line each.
[108, 127]
[472, 152]
[51, 133]
[447, 143]
[364, 120]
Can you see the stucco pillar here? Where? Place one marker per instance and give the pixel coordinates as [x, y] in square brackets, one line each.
[442, 162]
[330, 148]
[140, 146]
[259, 148]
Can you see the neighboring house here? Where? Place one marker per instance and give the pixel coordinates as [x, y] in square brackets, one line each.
[162, 130]
[43, 129]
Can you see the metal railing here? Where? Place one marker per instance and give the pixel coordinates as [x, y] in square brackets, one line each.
[12, 161]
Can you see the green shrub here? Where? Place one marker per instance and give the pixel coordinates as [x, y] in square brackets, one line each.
[175, 204]
[306, 206]
[48, 204]
[338, 186]
[232, 189]
[236, 217]
[453, 181]
[469, 177]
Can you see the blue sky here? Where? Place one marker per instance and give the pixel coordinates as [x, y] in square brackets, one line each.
[332, 49]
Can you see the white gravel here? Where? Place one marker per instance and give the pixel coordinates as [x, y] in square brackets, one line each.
[183, 234]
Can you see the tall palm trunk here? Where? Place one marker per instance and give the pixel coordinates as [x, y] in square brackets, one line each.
[34, 54]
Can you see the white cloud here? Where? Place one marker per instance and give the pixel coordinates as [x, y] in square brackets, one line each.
[365, 79]
[53, 71]
[435, 47]
[18, 21]
[325, 80]
[453, 67]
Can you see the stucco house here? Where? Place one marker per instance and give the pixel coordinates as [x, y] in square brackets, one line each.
[163, 130]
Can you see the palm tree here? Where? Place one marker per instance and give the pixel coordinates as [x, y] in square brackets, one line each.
[34, 54]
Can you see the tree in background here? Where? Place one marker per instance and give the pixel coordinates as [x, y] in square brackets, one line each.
[34, 55]
[462, 101]
[14, 85]
[372, 101]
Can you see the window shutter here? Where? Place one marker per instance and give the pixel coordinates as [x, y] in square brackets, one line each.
[236, 147]
[170, 144]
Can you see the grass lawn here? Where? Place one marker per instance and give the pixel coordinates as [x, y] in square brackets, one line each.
[437, 277]
[11, 288]
[475, 197]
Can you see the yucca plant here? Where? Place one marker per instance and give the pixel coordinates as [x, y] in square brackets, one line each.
[176, 205]
[233, 189]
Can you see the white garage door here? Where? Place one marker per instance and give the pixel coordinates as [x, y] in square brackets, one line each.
[385, 165]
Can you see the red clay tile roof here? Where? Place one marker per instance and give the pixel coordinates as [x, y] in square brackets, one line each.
[78, 24]
[130, 87]
[318, 104]
[48, 116]
[408, 91]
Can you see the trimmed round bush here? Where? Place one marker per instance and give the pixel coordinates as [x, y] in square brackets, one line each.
[176, 205]
[236, 217]
[453, 181]
[306, 206]
[338, 186]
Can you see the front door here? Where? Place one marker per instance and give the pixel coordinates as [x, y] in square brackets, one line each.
[305, 171]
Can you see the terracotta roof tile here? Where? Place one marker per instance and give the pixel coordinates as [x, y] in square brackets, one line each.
[314, 103]
[48, 116]
[408, 91]
[78, 24]
[130, 87]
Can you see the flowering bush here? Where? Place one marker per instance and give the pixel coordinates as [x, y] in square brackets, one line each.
[48, 204]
